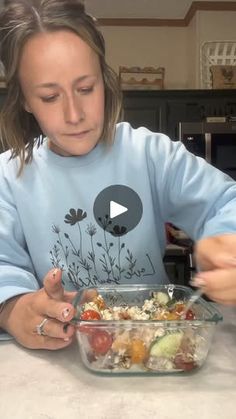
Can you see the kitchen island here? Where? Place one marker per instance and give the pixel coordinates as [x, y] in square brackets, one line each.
[55, 385]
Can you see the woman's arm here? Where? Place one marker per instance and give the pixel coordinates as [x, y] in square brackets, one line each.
[216, 259]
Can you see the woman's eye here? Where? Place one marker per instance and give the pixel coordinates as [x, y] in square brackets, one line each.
[49, 98]
[86, 90]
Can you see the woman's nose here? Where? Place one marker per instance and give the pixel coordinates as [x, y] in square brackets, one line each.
[73, 111]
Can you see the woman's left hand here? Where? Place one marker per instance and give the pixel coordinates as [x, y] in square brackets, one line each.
[216, 258]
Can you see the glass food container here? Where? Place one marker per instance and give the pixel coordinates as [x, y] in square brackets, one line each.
[139, 329]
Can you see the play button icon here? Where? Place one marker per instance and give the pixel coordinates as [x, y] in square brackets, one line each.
[118, 209]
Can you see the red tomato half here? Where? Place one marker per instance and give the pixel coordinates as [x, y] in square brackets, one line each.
[182, 364]
[190, 315]
[90, 315]
[100, 341]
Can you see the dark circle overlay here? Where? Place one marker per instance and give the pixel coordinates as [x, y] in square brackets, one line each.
[123, 223]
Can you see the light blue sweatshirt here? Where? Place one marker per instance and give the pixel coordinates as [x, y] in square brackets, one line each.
[47, 219]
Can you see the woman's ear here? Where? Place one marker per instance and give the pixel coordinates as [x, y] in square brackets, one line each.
[25, 104]
[26, 107]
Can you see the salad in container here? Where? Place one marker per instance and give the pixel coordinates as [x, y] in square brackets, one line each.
[133, 329]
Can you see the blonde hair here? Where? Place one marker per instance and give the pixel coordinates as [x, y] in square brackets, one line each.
[19, 21]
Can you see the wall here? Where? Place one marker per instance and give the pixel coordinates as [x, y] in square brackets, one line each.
[176, 49]
[192, 53]
[165, 47]
[215, 26]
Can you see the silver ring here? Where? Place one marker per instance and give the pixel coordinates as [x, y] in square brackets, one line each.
[39, 327]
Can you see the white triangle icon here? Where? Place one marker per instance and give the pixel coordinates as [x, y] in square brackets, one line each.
[116, 209]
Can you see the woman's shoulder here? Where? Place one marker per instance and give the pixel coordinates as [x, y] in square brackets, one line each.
[145, 145]
[126, 130]
[5, 156]
[6, 160]
[141, 137]
[8, 163]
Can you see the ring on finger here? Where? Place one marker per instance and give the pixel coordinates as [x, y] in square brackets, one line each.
[39, 327]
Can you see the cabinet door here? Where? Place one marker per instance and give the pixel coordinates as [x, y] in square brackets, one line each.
[182, 111]
[196, 109]
[144, 111]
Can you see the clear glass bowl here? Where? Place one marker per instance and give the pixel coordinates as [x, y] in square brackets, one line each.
[143, 345]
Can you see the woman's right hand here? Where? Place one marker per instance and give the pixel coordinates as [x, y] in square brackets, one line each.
[22, 314]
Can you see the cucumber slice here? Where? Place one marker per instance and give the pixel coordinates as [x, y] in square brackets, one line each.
[167, 346]
[161, 297]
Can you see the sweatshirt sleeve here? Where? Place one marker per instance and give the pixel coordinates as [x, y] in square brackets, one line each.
[193, 195]
[16, 269]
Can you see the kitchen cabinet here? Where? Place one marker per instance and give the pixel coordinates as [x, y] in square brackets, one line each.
[144, 109]
[162, 110]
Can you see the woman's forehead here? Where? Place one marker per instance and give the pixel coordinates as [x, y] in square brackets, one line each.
[55, 42]
[56, 52]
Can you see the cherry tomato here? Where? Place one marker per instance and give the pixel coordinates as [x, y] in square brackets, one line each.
[100, 341]
[190, 315]
[90, 315]
[183, 364]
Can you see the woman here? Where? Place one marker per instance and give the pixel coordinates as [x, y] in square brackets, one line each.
[68, 159]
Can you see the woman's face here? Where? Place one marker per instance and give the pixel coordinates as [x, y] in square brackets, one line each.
[62, 83]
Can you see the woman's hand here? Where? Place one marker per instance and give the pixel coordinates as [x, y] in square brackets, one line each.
[216, 258]
[24, 313]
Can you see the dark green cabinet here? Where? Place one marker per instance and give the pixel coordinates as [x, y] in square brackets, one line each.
[144, 110]
[161, 111]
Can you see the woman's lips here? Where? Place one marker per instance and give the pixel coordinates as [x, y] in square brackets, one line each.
[77, 134]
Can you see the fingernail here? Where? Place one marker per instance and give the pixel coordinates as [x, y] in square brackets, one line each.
[66, 339]
[65, 313]
[54, 273]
